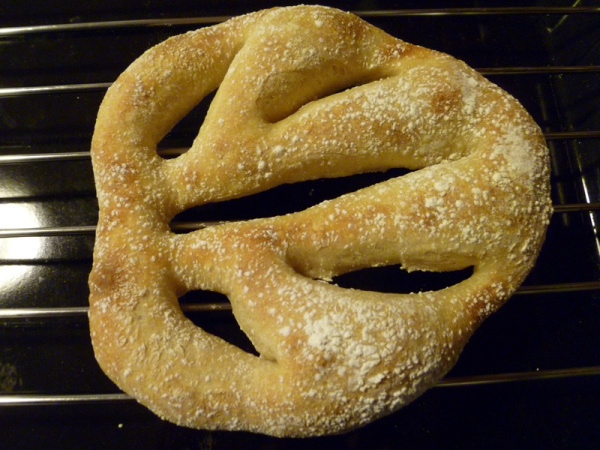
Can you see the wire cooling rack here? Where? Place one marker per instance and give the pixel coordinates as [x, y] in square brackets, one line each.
[529, 375]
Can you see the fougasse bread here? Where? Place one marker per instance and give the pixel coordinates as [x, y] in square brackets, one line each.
[303, 93]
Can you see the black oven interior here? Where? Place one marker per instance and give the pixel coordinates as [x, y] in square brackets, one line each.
[529, 378]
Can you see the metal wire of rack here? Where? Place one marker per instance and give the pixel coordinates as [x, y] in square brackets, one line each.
[50, 89]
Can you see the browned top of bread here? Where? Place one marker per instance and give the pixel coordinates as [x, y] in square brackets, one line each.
[305, 92]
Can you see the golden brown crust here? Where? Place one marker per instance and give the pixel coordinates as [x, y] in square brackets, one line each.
[331, 359]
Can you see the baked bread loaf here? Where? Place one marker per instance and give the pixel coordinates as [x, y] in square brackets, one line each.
[303, 93]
